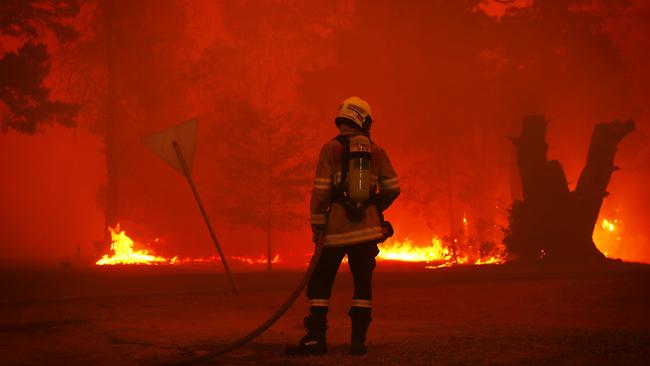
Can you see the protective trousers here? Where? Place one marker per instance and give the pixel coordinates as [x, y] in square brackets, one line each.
[361, 259]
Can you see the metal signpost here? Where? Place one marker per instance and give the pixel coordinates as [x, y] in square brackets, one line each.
[176, 146]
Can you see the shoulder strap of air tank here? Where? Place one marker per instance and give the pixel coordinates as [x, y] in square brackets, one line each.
[345, 157]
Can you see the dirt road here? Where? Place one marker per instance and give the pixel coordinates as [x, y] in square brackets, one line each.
[489, 315]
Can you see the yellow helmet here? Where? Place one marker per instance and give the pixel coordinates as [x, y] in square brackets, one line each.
[356, 110]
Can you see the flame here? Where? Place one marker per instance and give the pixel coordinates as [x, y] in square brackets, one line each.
[123, 253]
[609, 225]
[260, 260]
[407, 252]
[440, 253]
[122, 248]
[437, 255]
[240, 259]
[607, 236]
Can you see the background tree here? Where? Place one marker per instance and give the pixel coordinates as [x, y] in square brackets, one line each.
[131, 80]
[264, 176]
[25, 100]
[265, 136]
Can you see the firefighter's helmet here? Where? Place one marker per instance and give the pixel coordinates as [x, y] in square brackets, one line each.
[357, 111]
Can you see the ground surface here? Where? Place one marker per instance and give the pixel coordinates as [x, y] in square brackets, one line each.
[499, 315]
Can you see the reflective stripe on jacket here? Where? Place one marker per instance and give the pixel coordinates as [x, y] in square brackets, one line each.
[338, 229]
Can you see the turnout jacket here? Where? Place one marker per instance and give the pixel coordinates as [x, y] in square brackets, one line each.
[330, 216]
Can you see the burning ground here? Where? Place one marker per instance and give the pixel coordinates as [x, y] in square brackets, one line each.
[495, 314]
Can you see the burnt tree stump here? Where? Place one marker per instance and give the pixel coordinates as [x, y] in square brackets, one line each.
[552, 223]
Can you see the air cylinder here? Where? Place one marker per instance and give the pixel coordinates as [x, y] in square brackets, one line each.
[359, 170]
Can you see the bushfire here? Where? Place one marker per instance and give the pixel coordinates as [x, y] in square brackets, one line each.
[607, 237]
[123, 252]
[438, 254]
[442, 252]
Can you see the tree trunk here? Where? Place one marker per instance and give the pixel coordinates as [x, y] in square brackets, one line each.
[269, 211]
[270, 248]
[110, 141]
[454, 220]
[551, 222]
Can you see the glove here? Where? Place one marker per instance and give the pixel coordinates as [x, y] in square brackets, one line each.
[387, 229]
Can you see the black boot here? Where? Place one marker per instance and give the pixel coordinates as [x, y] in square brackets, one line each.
[314, 342]
[360, 321]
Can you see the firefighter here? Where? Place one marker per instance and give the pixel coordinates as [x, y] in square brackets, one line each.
[355, 182]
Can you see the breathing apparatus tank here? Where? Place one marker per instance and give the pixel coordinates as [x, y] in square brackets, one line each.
[359, 170]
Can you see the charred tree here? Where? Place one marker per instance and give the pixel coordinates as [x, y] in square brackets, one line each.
[551, 222]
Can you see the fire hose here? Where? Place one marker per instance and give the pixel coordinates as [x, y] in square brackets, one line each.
[268, 323]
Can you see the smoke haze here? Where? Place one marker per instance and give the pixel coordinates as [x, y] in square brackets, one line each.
[448, 82]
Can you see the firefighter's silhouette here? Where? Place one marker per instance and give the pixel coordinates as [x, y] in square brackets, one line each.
[355, 182]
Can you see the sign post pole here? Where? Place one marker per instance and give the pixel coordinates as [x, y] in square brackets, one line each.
[205, 216]
[176, 146]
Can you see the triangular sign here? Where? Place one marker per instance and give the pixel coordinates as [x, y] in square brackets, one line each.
[184, 134]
